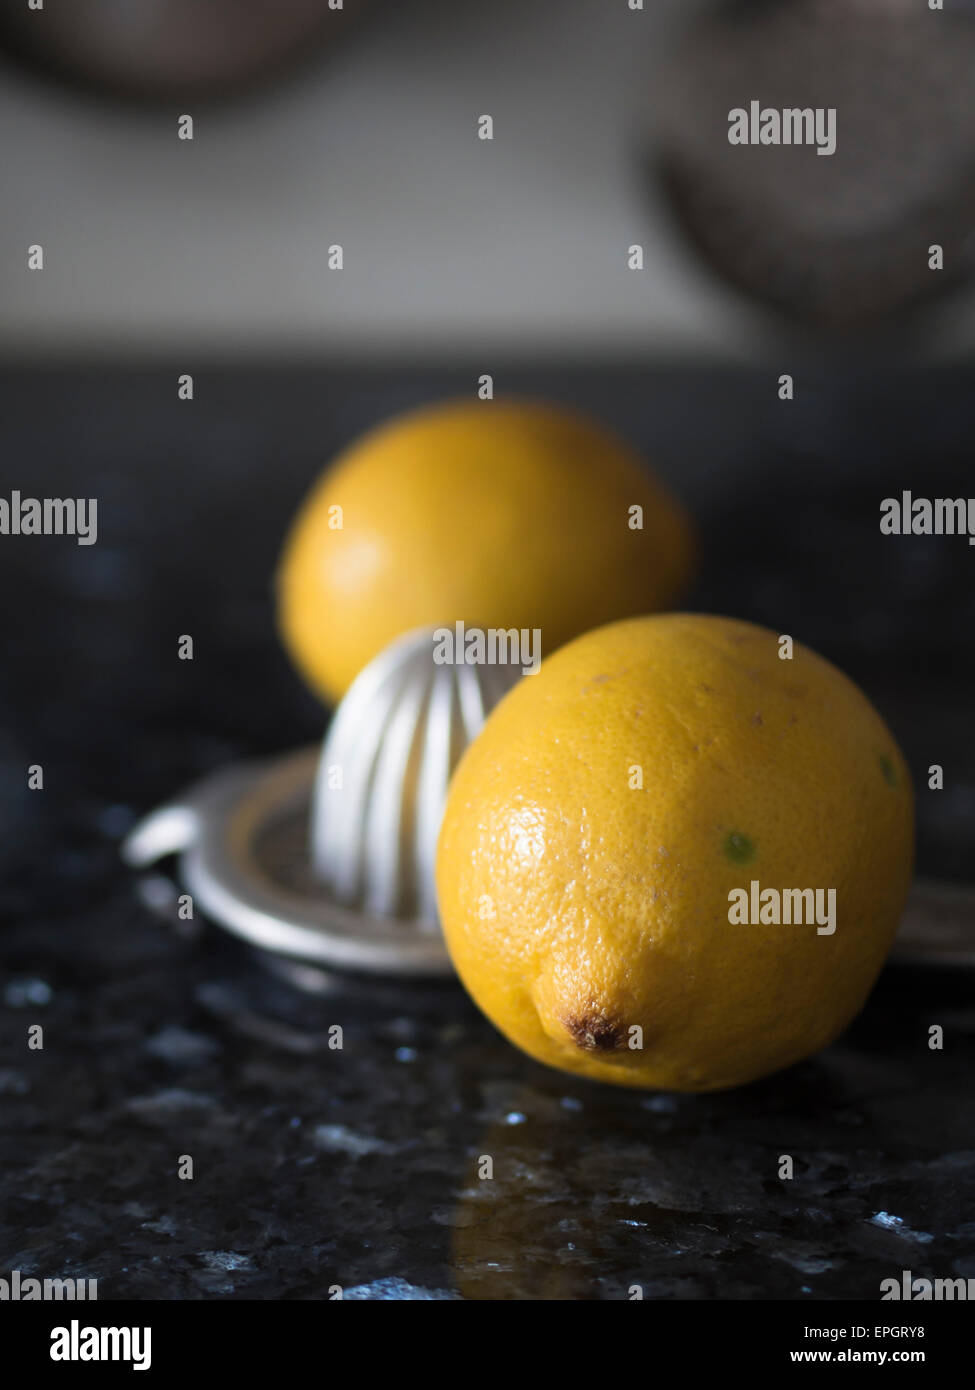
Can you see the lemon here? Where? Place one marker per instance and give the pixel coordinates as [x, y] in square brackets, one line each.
[603, 830]
[506, 514]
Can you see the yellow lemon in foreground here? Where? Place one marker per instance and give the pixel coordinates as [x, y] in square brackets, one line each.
[504, 514]
[674, 859]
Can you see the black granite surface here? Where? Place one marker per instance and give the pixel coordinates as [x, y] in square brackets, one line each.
[358, 1168]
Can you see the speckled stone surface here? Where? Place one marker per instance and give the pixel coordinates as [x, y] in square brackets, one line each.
[315, 1167]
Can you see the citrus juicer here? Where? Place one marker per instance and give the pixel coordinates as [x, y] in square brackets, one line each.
[323, 859]
[326, 857]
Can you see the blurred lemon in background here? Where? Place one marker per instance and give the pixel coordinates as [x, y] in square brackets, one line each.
[598, 824]
[497, 513]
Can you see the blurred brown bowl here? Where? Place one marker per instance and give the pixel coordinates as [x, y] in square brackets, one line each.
[841, 242]
[160, 49]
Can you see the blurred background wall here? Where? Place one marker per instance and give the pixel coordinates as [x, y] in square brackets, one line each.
[155, 245]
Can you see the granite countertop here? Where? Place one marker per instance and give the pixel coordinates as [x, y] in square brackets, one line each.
[314, 1167]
